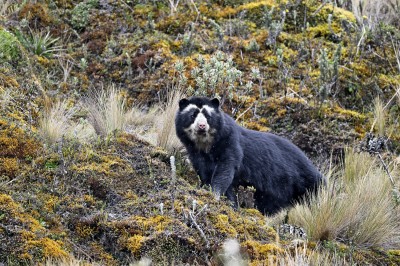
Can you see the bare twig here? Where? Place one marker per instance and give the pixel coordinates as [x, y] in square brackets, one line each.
[361, 39]
[173, 180]
[193, 219]
[396, 48]
[244, 112]
[386, 168]
[173, 4]
[319, 8]
[130, 8]
[202, 209]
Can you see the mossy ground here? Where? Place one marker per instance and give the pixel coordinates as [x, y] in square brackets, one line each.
[113, 201]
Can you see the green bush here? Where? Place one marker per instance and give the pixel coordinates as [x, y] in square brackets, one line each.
[80, 14]
[9, 49]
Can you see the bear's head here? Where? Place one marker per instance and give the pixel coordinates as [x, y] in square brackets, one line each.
[198, 120]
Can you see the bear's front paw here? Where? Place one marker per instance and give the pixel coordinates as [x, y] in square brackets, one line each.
[217, 195]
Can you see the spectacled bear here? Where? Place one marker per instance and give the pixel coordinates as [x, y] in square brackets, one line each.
[226, 155]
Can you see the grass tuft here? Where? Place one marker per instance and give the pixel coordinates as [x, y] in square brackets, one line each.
[55, 122]
[4, 5]
[357, 209]
[303, 256]
[166, 137]
[107, 111]
[380, 115]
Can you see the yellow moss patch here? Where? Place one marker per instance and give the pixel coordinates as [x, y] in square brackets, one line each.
[348, 114]
[7, 204]
[14, 142]
[362, 68]
[43, 60]
[256, 126]
[340, 13]
[15, 212]
[52, 249]
[8, 81]
[107, 166]
[229, 11]
[9, 166]
[134, 243]
[105, 257]
[388, 80]
[320, 30]
[261, 251]
[394, 252]
[50, 203]
[221, 223]
[84, 231]
[36, 11]
[28, 243]
[157, 223]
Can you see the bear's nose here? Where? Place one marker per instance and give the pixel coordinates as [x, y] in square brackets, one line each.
[202, 126]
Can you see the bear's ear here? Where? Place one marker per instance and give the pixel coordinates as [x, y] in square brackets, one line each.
[215, 103]
[183, 103]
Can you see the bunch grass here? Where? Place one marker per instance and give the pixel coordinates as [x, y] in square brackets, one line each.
[357, 207]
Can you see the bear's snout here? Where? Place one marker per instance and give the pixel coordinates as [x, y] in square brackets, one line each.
[201, 126]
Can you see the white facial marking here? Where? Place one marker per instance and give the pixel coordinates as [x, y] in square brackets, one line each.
[200, 119]
[188, 108]
[209, 109]
[203, 141]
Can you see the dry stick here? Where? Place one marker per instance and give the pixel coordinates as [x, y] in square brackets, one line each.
[193, 219]
[127, 5]
[89, 257]
[319, 8]
[201, 210]
[173, 180]
[11, 181]
[361, 39]
[245, 111]
[386, 168]
[396, 49]
[195, 8]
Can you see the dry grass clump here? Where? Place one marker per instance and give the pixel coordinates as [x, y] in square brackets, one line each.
[81, 130]
[166, 136]
[70, 261]
[302, 256]
[142, 122]
[380, 115]
[157, 125]
[4, 5]
[357, 208]
[55, 122]
[376, 12]
[107, 111]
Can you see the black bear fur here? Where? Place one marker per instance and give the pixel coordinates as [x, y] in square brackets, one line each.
[228, 155]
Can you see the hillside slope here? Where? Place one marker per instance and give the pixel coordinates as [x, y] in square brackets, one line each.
[306, 70]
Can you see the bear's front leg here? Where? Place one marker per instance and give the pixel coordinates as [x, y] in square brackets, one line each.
[222, 179]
